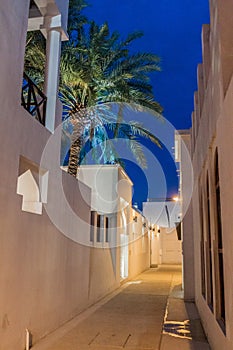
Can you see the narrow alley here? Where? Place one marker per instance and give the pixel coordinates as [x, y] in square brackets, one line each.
[145, 313]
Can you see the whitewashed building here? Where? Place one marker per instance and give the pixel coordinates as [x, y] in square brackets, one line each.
[49, 270]
[164, 217]
[208, 222]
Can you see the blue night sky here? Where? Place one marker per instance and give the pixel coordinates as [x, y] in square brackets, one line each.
[172, 30]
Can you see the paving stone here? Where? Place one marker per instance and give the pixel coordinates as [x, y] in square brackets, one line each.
[133, 318]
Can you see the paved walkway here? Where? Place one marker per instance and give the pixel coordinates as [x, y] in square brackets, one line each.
[147, 313]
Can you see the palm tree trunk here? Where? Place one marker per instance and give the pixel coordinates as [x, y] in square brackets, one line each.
[75, 150]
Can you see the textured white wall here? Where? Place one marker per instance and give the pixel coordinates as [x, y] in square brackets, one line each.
[170, 247]
[212, 127]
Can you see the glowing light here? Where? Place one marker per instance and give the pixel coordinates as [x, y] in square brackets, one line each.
[175, 199]
[178, 329]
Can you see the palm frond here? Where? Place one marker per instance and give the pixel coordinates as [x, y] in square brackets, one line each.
[98, 71]
[138, 129]
[137, 152]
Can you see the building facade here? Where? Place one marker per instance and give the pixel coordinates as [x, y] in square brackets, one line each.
[114, 222]
[210, 142]
[49, 270]
[164, 218]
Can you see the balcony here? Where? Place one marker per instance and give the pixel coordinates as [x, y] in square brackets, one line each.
[33, 100]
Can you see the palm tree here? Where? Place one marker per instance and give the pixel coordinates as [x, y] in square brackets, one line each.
[94, 130]
[98, 70]
[34, 64]
[101, 71]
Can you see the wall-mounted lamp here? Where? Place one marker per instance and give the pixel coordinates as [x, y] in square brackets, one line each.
[135, 218]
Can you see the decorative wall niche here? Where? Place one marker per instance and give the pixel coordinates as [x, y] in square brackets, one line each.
[32, 185]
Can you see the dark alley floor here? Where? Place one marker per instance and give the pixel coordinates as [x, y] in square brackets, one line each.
[147, 313]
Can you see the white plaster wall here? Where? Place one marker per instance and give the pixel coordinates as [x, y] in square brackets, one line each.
[47, 272]
[186, 192]
[155, 258]
[139, 258]
[139, 245]
[170, 247]
[124, 186]
[155, 212]
[103, 180]
[224, 142]
[215, 130]
[45, 275]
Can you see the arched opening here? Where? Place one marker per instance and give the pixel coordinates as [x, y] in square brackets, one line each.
[209, 261]
[202, 245]
[220, 286]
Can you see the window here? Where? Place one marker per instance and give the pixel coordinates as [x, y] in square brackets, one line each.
[202, 246]
[106, 229]
[220, 286]
[98, 233]
[99, 228]
[209, 262]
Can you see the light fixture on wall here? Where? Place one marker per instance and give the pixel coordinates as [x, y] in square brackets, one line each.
[135, 218]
